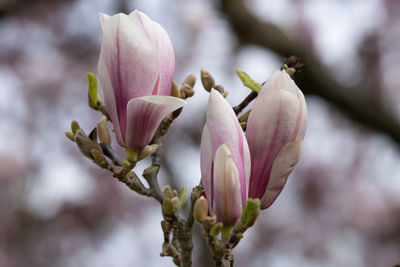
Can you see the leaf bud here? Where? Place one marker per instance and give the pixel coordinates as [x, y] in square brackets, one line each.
[216, 229]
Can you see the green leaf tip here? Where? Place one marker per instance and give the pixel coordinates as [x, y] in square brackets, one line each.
[182, 197]
[248, 81]
[92, 79]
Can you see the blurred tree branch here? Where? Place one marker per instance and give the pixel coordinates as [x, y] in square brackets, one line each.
[367, 109]
[18, 7]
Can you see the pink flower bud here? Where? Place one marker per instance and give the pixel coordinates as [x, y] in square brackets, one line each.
[224, 160]
[275, 131]
[136, 66]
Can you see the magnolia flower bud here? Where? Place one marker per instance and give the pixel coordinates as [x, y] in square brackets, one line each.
[275, 131]
[224, 160]
[136, 66]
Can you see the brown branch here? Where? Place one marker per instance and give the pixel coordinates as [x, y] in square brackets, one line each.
[237, 109]
[315, 79]
[109, 153]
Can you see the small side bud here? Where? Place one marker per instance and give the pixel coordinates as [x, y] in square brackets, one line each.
[207, 80]
[102, 131]
[74, 126]
[190, 80]
[147, 151]
[167, 191]
[175, 90]
[200, 209]
[226, 93]
[216, 229]
[70, 136]
[168, 207]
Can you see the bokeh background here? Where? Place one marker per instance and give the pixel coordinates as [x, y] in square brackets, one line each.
[340, 207]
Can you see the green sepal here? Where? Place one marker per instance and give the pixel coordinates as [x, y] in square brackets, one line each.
[248, 81]
[92, 79]
[132, 155]
[250, 212]
[226, 232]
[183, 197]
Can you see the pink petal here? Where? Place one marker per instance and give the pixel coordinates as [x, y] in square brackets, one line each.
[166, 57]
[166, 61]
[224, 127]
[109, 100]
[131, 58]
[144, 116]
[206, 165]
[227, 188]
[268, 131]
[283, 165]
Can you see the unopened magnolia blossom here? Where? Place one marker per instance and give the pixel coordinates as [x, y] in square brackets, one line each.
[224, 160]
[136, 66]
[275, 131]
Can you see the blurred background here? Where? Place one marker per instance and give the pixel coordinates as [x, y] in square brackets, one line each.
[340, 207]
